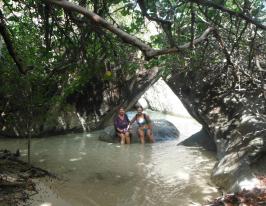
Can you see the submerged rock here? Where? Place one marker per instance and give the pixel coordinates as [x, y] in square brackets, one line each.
[202, 139]
[162, 130]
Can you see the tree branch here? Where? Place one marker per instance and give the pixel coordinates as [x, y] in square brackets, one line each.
[143, 8]
[148, 51]
[11, 50]
[258, 64]
[165, 24]
[103, 23]
[251, 20]
[192, 29]
[176, 49]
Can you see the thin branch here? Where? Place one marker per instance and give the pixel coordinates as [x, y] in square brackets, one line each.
[47, 27]
[226, 53]
[251, 50]
[211, 4]
[236, 43]
[176, 49]
[192, 29]
[143, 8]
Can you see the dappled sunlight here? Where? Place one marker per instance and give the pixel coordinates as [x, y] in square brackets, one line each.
[75, 159]
[82, 121]
[82, 153]
[230, 163]
[62, 122]
[46, 204]
[183, 175]
[78, 138]
[208, 190]
[249, 184]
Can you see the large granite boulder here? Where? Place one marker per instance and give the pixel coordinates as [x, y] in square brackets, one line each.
[160, 97]
[162, 130]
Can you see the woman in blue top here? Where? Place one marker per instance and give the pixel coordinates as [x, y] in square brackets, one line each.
[121, 124]
[144, 123]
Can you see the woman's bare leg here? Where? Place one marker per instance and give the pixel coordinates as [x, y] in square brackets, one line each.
[122, 138]
[141, 135]
[150, 136]
[127, 138]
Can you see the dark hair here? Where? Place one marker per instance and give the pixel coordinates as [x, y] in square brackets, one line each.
[120, 108]
[139, 106]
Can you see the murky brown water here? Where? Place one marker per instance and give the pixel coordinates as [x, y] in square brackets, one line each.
[96, 173]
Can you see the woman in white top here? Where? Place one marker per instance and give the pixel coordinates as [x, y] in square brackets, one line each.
[144, 123]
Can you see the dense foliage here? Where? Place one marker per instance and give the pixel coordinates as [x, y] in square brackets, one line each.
[69, 58]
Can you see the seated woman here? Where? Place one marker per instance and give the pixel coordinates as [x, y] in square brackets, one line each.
[121, 123]
[144, 123]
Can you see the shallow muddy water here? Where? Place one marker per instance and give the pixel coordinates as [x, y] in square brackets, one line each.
[96, 173]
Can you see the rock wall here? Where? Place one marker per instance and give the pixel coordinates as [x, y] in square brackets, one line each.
[237, 122]
[57, 120]
[242, 143]
[92, 108]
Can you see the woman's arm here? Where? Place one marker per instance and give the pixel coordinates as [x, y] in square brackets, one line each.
[132, 121]
[117, 126]
[148, 119]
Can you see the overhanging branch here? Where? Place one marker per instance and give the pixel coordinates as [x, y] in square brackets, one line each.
[202, 38]
[11, 50]
[148, 51]
[101, 22]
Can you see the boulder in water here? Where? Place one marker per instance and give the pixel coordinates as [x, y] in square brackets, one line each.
[162, 130]
[201, 139]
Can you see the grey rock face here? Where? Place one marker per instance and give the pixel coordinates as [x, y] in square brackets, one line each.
[202, 139]
[241, 153]
[235, 120]
[160, 97]
[55, 121]
[162, 131]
